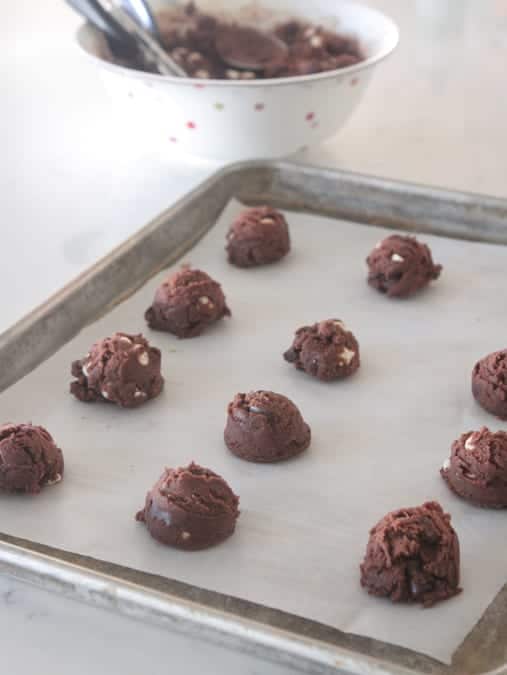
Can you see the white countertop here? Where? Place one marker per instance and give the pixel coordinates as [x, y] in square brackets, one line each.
[72, 189]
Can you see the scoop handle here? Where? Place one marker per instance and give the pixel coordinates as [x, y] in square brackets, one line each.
[97, 15]
[141, 12]
[127, 33]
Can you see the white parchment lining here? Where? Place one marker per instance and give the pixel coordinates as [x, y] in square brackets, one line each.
[379, 438]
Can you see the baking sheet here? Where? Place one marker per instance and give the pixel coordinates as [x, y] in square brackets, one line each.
[378, 438]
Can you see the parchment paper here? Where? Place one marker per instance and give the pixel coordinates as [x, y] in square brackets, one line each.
[379, 438]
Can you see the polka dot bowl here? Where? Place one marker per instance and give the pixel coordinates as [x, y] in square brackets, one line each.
[232, 120]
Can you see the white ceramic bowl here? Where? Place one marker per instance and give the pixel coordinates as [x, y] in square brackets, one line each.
[236, 120]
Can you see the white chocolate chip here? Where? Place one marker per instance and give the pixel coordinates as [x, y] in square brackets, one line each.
[469, 445]
[104, 394]
[193, 57]
[267, 220]
[204, 300]
[316, 41]
[446, 465]
[55, 480]
[143, 358]
[125, 339]
[248, 75]
[397, 258]
[202, 74]
[347, 355]
[139, 394]
[231, 74]
[309, 32]
[85, 370]
[185, 535]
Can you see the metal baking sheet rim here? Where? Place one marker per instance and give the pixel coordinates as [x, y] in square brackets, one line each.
[347, 195]
[185, 616]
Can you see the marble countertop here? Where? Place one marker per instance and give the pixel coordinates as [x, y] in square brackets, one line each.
[72, 189]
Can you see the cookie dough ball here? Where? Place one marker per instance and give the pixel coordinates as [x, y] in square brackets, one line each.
[400, 266]
[327, 350]
[29, 458]
[190, 508]
[121, 369]
[186, 304]
[489, 383]
[258, 236]
[477, 468]
[413, 556]
[265, 427]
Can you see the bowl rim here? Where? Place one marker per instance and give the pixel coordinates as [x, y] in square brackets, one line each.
[393, 38]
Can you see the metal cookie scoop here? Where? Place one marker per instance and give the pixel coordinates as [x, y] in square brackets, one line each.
[126, 23]
[247, 48]
[141, 12]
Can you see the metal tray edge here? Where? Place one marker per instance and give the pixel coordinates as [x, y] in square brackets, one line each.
[388, 203]
[240, 633]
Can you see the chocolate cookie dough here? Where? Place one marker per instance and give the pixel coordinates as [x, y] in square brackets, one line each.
[265, 427]
[208, 46]
[190, 508]
[29, 458]
[186, 304]
[400, 266]
[258, 236]
[477, 468]
[121, 369]
[413, 556]
[489, 383]
[327, 350]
